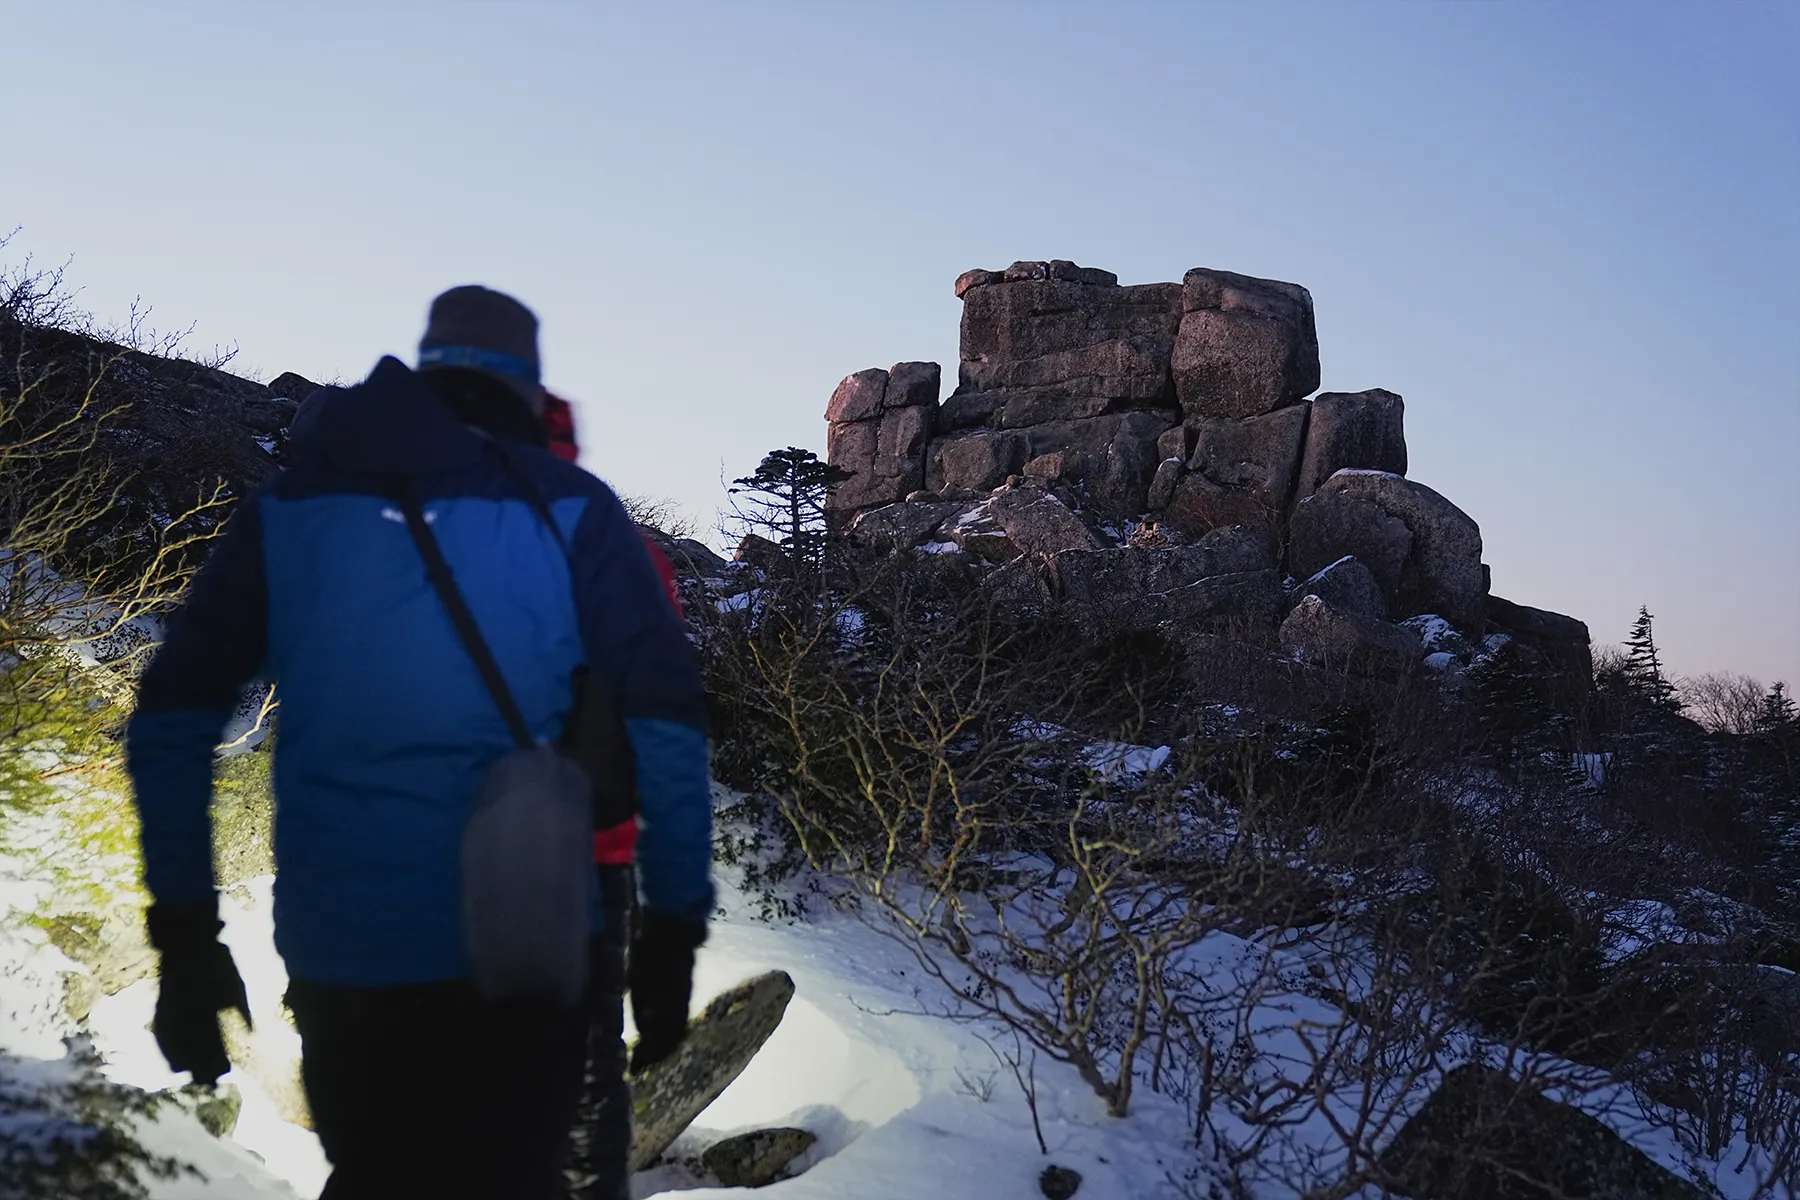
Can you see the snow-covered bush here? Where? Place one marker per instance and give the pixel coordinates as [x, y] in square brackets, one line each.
[67, 1133]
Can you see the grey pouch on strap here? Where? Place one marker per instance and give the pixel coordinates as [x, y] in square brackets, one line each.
[527, 849]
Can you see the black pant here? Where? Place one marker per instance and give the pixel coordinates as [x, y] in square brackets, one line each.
[599, 1167]
[426, 1091]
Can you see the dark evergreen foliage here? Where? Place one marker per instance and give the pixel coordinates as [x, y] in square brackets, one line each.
[1643, 666]
[784, 500]
[1778, 711]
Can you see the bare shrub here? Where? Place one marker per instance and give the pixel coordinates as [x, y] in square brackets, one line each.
[79, 583]
[1724, 702]
[1297, 927]
[661, 514]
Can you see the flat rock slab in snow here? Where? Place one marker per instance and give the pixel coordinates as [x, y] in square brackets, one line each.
[758, 1158]
[720, 1043]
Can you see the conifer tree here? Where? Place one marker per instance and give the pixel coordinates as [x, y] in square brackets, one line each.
[1643, 665]
[786, 498]
[1778, 709]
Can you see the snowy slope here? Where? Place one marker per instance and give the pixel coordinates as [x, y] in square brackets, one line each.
[33, 1026]
[891, 1095]
[896, 1096]
[900, 1100]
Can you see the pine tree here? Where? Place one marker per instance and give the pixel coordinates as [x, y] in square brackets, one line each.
[1643, 666]
[1777, 710]
[785, 499]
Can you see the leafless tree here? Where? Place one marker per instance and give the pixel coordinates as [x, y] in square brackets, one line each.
[1723, 702]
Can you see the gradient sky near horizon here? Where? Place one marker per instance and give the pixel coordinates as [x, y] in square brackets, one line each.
[1568, 234]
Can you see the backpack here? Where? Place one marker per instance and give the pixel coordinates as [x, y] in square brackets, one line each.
[527, 863]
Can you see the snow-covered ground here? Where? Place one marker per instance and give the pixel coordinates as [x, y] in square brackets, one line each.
[899, 1100]
[892, 1095]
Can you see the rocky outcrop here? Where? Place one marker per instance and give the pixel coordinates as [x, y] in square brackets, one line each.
[1020, 518]
[757, 1158]
[1258, 455]
[1560, 642]
[1057, 342]
[1352, 431]
[974, 462]
[1227, 576]
[1244, 599]
[1318, 633]
[1439, 570]
[1245, 346]
[1061, 368]
[978, 531]
[1535, 624]
[1107, 460]
[881, 422]
[1036, 522]
[1238, 473]
[171, 432]
[1147, 417]
[1325, 530]
[901, 526]
[1347, 586]
[1484, 1134]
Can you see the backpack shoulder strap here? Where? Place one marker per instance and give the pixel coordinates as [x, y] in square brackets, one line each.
[534, 495]
[406, 494]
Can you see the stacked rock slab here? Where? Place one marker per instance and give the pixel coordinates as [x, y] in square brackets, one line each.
[1562, 643]
[1423, 550]
[880, 424]
[1064, 376]
[1184, 400]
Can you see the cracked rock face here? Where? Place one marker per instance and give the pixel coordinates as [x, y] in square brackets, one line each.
[880, 425]
[1245, 346]
[1362, 430]
[1440, 570]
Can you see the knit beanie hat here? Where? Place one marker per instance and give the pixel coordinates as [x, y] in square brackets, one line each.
[479, 329]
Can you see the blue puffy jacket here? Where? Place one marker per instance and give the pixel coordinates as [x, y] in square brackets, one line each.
[386, 728]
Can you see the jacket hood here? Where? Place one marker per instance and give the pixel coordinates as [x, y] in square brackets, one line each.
[389, 424]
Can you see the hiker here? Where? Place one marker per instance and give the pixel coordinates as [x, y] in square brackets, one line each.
[430, 588]
[603, 1127]
[559, 432]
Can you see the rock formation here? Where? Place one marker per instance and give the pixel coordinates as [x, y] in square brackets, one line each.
[758, 1158]
[1097, 430]
[720, 1043]
[1484, 1134]
[880, 421]
[170, 433]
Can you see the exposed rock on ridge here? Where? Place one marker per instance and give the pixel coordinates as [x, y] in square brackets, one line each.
[1098, 429]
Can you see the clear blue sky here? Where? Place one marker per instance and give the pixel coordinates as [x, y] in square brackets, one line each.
[1569, 234]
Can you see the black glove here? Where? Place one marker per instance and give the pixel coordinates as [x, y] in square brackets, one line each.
[661, 978]
[199, 980]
